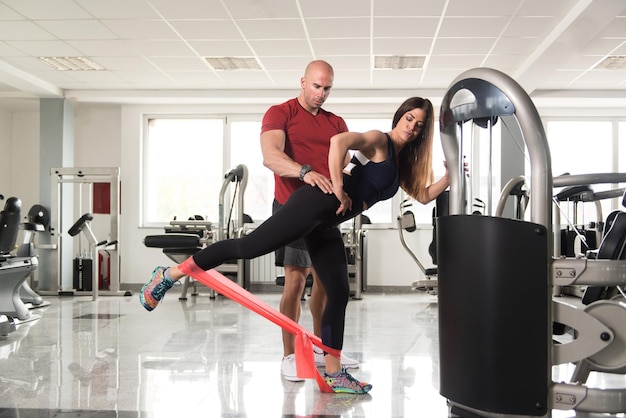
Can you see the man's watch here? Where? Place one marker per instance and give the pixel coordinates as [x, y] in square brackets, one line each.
[303, 170]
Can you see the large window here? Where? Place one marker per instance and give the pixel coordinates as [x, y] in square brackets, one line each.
[582, 147]
[186, 157]
[183, 170]
[245, 148]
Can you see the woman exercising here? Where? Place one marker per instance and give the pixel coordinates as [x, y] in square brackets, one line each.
[382, 162]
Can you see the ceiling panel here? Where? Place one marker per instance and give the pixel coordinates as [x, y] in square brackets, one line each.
[401, 8]
[262, 9]
[340, 47]
[44, 48]
[118, 9]
[190, 9]
[272, 29]
[151, 46]
[405, 27]
[88, 29]
[206, 29]
[23, 30]
[477, 8]
[402, 46]
[45, 9]
[140, 29]
[280, 48]
[218, 49]
[473, 27]
[291, 63]
[344, 27]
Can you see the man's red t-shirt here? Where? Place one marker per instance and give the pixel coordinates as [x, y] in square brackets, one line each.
[307, 140]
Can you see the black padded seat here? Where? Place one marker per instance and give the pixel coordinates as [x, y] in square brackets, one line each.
[612, 247]
[173, 241]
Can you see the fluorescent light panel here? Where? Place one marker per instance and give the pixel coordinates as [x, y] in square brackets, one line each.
[233, 63]
[616, 62]
[399, 62]
[71, 63]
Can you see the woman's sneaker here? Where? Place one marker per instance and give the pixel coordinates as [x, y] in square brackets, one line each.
[344, 382]
[152, 292]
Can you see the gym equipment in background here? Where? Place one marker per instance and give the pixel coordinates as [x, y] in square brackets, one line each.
[406, 222]
[86, 275]
[355, 242]
[182, 239]
[15, 268]
[95, 188]
[38, 220]
[496, 342]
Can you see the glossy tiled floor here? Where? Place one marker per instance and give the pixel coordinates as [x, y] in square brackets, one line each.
[209, 357]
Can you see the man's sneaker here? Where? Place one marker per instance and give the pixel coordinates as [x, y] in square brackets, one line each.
[152, 292]
[288, 368]
[346, 362]
[344, 382]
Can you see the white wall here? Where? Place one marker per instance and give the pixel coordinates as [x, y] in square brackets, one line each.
[25, 156]
[6, 147]
[19, 158]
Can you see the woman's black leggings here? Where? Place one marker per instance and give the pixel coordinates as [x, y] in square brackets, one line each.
[310, 214]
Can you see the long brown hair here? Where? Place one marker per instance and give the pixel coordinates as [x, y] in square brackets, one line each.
[416, 158]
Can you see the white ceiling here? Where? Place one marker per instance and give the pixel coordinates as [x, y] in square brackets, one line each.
[155, 49]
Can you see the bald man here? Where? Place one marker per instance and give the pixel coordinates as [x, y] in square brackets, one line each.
[295, 139]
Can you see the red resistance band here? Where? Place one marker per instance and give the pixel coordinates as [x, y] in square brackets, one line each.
[305, 364]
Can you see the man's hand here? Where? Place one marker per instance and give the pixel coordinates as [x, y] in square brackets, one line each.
[313, 178]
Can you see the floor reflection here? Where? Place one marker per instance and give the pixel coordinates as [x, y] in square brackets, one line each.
[213, 358]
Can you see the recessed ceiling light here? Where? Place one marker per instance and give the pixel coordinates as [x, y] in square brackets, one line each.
[399, 62]
[72, 63]
[617, 62]
[233, 63]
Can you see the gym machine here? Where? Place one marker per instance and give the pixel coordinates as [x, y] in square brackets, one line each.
[182, 239]
[355, 241]
[69, 183]
[496, 345]
[15, 267]
[38, 220]
[406, 222]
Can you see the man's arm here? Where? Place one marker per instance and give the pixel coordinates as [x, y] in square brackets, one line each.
[274, 158]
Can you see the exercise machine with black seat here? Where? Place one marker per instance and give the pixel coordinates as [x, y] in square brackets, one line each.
[406, 223]
[183, 238]
[87, 269]
[16, 264]
[612, 247]
[496, 346]
[82, 190]
[575, 230]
